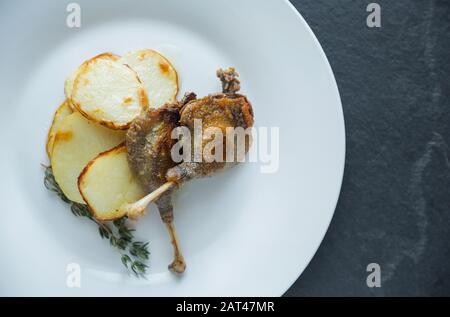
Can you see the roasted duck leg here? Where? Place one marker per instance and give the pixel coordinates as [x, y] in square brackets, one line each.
[149, 144]
[223, 110]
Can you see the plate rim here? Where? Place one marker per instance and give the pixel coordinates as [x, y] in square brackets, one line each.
[341, 114]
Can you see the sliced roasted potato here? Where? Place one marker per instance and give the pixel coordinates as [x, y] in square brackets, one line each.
[68, 84]
[107, 182]
[78, 140]
[68, 87]
[159, 77]
[108, 92]
[63, 111]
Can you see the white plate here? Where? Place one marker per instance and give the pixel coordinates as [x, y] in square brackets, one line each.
[242, 232]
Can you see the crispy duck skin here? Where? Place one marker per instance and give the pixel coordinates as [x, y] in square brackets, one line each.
[218, 111]
[149, 143]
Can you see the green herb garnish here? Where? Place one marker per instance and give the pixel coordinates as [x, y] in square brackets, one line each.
[134, 254]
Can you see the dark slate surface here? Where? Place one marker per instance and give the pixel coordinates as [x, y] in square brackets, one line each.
[394, 207]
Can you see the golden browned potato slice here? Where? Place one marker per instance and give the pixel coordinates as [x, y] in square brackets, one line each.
[68, 87]
[63, 111]
[159, 77]
[106, 183]
[77, 141]
[108, 92]
[68, 84]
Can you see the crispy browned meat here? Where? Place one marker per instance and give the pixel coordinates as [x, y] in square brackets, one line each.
[218, 111]
[149, 143]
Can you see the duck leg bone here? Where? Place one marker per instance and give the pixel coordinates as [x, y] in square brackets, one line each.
[166, 212]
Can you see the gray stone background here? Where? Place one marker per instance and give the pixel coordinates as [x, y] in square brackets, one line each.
[395, 198]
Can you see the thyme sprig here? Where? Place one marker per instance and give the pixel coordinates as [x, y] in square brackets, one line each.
[134, 254]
